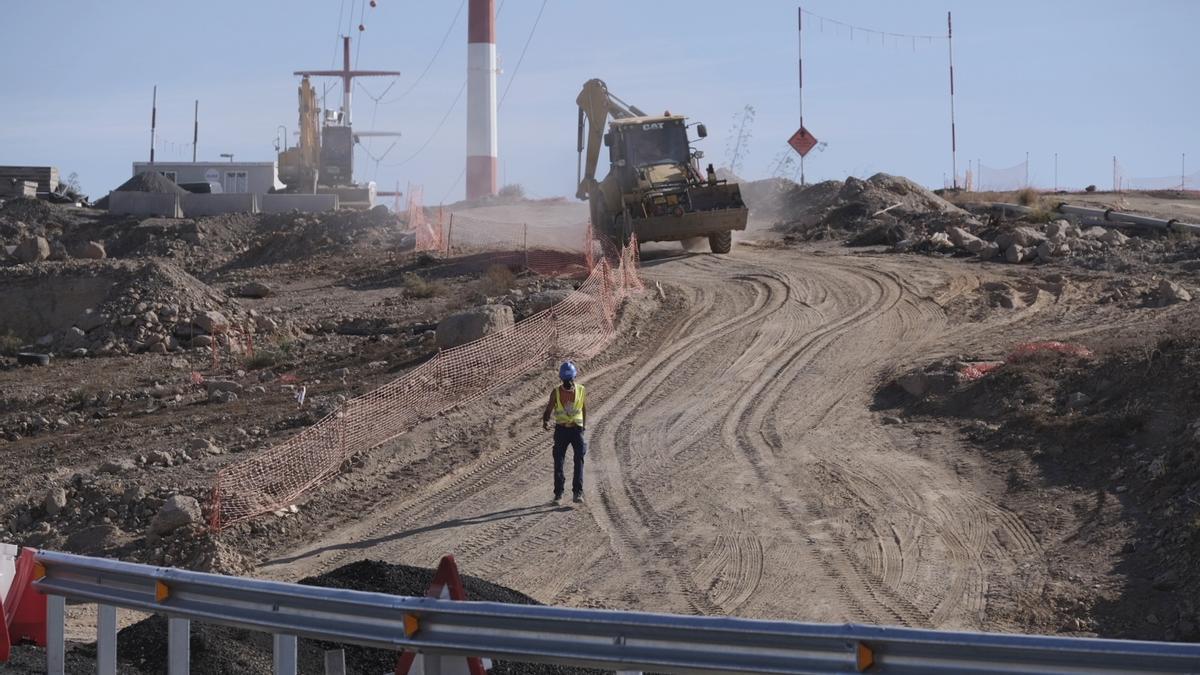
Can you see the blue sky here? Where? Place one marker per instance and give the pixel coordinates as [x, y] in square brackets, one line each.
[1085, 79]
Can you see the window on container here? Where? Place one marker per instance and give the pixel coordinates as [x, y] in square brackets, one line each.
[236, 181]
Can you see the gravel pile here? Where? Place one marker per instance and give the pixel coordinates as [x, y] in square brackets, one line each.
[219, 650]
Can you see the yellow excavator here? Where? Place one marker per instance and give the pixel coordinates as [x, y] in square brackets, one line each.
[298, 164]
[654, 188]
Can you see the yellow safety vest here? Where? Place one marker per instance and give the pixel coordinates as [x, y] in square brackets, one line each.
[572, 413]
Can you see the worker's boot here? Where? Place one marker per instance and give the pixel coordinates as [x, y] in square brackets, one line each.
[557, 500]
[578, 498]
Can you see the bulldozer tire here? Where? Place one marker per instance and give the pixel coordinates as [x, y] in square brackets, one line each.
[721, 242]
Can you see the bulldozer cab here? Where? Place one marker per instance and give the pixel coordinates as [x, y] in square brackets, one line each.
[638, 145]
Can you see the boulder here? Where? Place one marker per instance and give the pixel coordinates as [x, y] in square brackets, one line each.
[92, 250]
[543, 300]
[201, 341]
[33, 249]
[55, 500]
[1094, 232]
[160, 458]
[213, 386]
[990, 250]
[922, 384]
[1170, 292]
[204, 445]
[1016, 253]
[1022, 235]
[1062, 229]
[964, 240]
[178, 511]
[254, 289]
[223, 397]
[90, 320]
[211, 322]
[118, 466]
[472, 324]
[1114, 238]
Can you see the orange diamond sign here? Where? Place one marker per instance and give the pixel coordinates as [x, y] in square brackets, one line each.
[802, 141]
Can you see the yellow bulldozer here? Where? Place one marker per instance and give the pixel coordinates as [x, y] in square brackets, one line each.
[654, 188]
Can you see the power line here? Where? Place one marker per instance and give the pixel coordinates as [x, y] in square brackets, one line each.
[521, 59]
[434, 58]
[429, 140]
[881, 33]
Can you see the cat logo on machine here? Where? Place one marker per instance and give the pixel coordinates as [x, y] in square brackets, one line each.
[652, 125]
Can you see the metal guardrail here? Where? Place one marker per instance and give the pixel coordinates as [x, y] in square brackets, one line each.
[625, 641]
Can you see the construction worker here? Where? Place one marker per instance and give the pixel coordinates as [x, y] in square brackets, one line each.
[568, 407]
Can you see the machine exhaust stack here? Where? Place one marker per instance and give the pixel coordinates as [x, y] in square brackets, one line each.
[481, 99]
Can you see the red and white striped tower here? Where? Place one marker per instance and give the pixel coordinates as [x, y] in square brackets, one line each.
[481, 99]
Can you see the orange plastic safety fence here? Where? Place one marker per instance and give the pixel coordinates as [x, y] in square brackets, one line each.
[577, 328]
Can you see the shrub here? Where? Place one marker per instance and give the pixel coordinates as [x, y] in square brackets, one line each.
[417, 287]
[10, 344]
[1028, 197]
[497, 280]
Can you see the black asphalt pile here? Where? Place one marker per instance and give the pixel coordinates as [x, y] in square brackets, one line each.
[146, 181]
[218, 650]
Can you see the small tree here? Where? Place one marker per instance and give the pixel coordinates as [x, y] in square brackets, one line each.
[71, 184]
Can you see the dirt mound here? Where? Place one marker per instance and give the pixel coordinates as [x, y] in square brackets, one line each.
[116, 307]
[28, 210]
[217, 649]
[1122, 430]
[835, 209]
[287, 237]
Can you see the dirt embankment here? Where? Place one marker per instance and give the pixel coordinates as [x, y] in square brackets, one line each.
[1101, 461]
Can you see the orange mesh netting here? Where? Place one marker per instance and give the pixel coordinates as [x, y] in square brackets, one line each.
[577, 328]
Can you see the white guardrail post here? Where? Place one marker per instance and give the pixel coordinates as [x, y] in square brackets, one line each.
[609, 640]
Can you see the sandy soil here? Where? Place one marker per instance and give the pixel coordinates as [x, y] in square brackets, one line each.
[736, 463]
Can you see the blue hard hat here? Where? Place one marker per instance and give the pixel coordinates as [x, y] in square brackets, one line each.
[567, 371]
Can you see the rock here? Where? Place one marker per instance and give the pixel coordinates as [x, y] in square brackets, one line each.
[1062, 229]
[1022, 235]
[178, 511]
[940, 241]
[1170, 292]
[1078, 400]
[211, 322]
[543, 300]
[74, 337]
[254, 289]
[1167, 581]
[90, 320]
[55, 500]
[149, 318]
[890, 419]
[964, 240]
[204, 445]
[201, 341]
[341, 373]
[213, 386]
[118, 467]
[157, 348]
[1114, 238]
[990, 250]
[472, 324]
[33, 249]
[264, 324]
[91, 251]
[1094, 233]
[223, 397]
[1015, 253]
[159, 458]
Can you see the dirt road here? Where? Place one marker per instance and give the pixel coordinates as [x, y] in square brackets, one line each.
[736, 465]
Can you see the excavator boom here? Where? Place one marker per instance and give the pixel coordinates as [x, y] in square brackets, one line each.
[596, 104]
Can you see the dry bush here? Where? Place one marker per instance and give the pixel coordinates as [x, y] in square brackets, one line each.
[1028, 197]
[497, 280]
[417, 287]
[10, 344]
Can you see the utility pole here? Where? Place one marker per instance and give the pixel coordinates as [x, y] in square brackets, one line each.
[347, 76]
[1056, 172]
[195, 130]
[800, 73]
[1026, 168]
[1182, 171]
[153, 121]
[953, 139]
[1116, 188]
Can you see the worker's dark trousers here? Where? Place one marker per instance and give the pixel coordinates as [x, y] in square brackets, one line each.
[572, 436]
